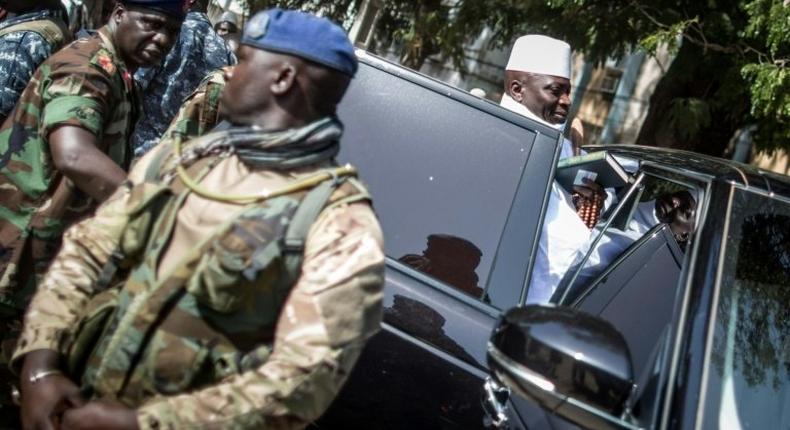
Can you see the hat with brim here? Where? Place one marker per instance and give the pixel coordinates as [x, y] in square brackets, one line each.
[174, 8]
[302, 35]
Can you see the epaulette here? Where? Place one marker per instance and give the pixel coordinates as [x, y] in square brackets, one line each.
[216, 76]
[103, 59]
[350, 191]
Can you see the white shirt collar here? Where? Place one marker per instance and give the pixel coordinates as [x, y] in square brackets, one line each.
[514, 106]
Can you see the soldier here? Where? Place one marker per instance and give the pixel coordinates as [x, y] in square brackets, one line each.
[246, 279]
[227, 24]
[198, 51]
[200, 112]
[65, 144]
[26, 40]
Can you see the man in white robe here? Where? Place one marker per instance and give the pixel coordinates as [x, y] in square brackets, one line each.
[537, 85]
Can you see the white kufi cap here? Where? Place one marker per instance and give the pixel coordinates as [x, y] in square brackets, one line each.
[542, 55]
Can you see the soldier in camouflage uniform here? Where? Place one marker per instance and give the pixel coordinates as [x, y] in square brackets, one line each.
[234, 290]
[200, 112]
[65, 146]
[198, 51]
[26, 40]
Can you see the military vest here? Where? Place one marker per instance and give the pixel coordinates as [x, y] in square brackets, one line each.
[52, 30]
[214, 314]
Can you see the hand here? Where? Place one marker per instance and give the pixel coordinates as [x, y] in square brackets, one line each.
[588, 200]
[46, 399]
[589, 190]
[100, 415]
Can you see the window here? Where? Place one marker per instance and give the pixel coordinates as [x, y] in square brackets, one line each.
[749, 370]
[610, 80]
[443, 175]
[653, 202]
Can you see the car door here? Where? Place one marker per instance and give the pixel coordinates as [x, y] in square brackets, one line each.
[459, 185]
[632, 275]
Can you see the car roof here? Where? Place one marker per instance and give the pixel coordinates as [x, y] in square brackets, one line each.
[717, 169]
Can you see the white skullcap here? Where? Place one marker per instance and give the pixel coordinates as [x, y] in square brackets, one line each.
[542, 55]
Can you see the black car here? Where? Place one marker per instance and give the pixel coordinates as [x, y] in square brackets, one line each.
[660, 334]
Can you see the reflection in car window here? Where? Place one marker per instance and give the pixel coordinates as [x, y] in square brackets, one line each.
[428, 165]
[749, 371]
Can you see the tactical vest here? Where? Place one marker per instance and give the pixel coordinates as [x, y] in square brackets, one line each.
[52, 30]
[214, 314]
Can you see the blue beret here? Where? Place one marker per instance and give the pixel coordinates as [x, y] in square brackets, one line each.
[174, 8]
[302, 35]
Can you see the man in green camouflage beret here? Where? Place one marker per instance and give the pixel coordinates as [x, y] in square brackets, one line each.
[233, 288]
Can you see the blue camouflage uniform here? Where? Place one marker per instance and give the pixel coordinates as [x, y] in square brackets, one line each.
[21, 52]
[198, 51]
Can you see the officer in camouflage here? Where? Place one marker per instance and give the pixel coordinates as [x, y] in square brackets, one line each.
[65, 144]
[26, 40]
[233, 290]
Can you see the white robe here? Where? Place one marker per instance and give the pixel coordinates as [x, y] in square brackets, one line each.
[615, 241]
[563, 231]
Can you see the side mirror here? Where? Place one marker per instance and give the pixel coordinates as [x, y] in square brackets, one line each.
[571, 363]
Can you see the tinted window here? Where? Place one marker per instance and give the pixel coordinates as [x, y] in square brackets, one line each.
[442, 174]
[749, 371]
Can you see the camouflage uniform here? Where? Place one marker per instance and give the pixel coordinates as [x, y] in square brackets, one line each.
[84, 85]
[208, 330]
[21, 52]
[200, 112]
[198, 51]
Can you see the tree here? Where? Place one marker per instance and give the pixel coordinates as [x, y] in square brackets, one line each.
[731, 56]
[417, 29]
[730, 69]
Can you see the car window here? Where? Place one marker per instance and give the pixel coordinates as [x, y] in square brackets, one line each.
[749, 371]
[652, 202]
[427, 160]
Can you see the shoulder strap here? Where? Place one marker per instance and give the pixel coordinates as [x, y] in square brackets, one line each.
[152, 172]
[51, 30]
[304, 217]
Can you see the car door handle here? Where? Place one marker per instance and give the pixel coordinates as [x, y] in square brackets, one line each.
[495, 397]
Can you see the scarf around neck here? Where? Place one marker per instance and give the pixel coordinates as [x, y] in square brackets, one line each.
[279, 150]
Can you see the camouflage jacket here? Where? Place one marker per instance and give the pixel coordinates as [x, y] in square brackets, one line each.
[21, 52]
[84, 85]
[200, 112]
[216, 340]
[198, 51]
